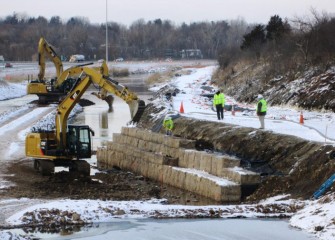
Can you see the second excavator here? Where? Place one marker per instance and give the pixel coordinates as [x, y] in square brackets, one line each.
[43, 88]
[67, 145]
[55, 89]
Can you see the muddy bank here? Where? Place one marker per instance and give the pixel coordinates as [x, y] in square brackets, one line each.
[288, 164]
[113, 184]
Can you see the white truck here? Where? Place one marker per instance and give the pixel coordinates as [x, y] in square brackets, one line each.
[77, 58]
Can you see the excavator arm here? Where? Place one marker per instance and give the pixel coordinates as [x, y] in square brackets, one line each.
[87, 77]
[44, 48]
[77, 70]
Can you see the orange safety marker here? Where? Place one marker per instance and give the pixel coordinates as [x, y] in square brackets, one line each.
[301, 121]
[181, 110]
[233, 111]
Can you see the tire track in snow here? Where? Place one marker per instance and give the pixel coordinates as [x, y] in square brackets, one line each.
[12, 145]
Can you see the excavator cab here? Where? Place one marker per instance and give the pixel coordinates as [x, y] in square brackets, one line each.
[79, 140]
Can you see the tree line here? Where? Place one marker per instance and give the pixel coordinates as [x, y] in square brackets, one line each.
[288, 46]
[19, 36]
[280, 43]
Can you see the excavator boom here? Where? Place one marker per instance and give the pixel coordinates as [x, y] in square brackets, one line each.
[45, 48]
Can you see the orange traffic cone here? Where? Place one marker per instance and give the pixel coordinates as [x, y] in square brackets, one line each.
[181, 108]
[301, 121]
[233, 111]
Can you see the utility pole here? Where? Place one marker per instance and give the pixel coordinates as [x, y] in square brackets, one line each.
[106, 35]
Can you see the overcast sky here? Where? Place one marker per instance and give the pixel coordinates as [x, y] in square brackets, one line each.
[178, 11]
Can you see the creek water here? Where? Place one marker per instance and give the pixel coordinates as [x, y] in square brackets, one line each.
[193, 229]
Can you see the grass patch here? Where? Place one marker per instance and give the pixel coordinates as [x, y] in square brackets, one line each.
[120, 72]
[160, 77]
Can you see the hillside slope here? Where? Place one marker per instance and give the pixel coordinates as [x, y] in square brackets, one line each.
[288, 164]
[309, 89]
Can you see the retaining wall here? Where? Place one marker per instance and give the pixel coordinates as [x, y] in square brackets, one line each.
[175, 161]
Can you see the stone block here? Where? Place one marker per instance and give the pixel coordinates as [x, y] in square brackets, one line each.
[167, 173]
[116, 137]
[145, 136]
[197, 160]
[124, 131]
[155, 172]
[172, 142]
[157, 147]
[206, 162]
[109, 145]
[182, 159]
[241, 176]
[191, 182]
[159, 138]
[134, 132]
[170, 161]
[156, 138]
[190, 154]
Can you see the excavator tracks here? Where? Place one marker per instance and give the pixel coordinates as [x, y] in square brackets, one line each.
[45, 167]
[81, 167]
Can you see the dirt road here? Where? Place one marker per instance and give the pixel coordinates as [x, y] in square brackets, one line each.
[12, 133]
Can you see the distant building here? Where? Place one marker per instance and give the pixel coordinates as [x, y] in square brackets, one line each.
[191, 54]
[171, 53]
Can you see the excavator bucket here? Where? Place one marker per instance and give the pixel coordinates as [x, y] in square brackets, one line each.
[136, 110]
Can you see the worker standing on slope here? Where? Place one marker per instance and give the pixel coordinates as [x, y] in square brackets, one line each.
[261, 109]
[168, 125]
[218, 103]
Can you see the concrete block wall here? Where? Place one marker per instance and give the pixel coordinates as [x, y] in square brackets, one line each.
[175, 161]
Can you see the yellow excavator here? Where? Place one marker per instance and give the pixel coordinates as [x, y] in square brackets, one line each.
[41, 87]
[67, 145]
[53, 90]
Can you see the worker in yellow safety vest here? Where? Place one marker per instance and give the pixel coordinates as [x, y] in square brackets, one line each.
[168, 125]
[261, 110]
[218, 103]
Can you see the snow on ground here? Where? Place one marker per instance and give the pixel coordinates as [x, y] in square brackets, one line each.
[317, 126]
[315, 216]
[11, 90]
[104, 211]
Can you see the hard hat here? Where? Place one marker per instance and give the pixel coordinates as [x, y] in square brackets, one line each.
[260, 96]
[167, 118]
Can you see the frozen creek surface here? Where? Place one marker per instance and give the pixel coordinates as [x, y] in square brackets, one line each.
[195, 229]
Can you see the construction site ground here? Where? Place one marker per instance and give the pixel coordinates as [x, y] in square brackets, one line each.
[111, 185]
[20, 180]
